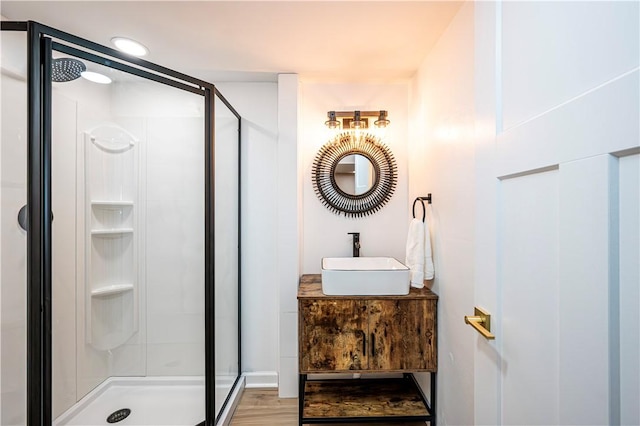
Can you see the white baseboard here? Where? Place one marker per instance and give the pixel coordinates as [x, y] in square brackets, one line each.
[261, 379]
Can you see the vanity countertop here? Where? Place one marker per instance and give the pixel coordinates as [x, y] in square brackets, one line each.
[311, 288]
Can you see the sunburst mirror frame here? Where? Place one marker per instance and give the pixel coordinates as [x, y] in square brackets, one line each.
[324, 168]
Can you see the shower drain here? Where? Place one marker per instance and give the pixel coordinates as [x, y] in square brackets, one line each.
[118, 415]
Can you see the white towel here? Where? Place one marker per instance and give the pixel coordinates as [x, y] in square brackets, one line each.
[418, 255]
[415, 252]
[429, 271]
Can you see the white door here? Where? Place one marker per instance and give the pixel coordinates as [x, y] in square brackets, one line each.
[557, 252]
[363, 174]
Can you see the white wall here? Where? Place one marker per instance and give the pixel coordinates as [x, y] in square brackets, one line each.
[289, 237]
[325, 233]
[442, 162]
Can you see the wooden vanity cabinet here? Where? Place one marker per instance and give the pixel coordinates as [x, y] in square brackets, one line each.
[361, 335]
[332, 335]
[365, 334]
[402, 335]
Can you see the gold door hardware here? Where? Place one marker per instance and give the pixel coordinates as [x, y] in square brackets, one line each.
[481, 321]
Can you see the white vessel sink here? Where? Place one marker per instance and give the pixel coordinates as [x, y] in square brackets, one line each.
[364, 276]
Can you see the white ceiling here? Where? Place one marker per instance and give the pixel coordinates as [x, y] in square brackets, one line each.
[342, 41]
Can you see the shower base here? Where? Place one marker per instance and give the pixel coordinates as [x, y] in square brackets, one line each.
[175, 401]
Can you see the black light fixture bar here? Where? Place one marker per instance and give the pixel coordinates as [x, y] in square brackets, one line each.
[380, 116]
[351, 114]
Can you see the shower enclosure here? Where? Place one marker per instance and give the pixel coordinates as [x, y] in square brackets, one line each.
[120, 238]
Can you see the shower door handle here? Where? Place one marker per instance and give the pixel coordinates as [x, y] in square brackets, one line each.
[22, 218]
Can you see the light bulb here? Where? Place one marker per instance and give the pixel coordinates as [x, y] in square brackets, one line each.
[96, 77]
[129, 46]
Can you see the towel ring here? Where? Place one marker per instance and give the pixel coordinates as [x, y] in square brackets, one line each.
[424, 209]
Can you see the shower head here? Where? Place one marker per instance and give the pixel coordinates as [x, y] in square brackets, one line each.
[66, 69]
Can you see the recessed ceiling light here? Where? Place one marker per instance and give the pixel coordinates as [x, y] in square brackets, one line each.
[129, 46]
[96, 77]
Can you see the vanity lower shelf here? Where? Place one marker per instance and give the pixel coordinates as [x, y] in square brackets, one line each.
[363, 401]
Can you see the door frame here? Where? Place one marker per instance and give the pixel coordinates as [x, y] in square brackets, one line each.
[39, 210]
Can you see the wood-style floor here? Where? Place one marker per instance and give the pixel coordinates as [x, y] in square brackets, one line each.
[262, 407]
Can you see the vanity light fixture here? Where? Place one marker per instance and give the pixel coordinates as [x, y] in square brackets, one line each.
[129, 46]
[332, 122]
[357, 122]
[356, 119]
[382, 120]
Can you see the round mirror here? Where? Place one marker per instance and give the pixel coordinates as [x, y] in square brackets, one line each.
[355, 174]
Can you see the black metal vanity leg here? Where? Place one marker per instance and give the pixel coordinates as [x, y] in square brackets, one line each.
[301, 382]
[433, 398]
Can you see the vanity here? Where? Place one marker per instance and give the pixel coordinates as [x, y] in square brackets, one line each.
[365, 334]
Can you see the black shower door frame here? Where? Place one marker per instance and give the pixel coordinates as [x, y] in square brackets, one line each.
[39, 207]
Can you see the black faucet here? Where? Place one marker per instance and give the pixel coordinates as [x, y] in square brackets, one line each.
[356, 243]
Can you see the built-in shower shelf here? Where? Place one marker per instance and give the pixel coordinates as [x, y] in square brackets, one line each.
[104, 203]
[111, 289]
[99, 232]
[112, 235]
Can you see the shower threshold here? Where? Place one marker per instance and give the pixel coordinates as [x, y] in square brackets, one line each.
[175, 401]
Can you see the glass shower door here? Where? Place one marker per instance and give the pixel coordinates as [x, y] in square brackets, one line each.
[13, 249]
[128, 196]
[227, 251]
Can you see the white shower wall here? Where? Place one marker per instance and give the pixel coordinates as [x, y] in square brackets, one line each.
[175, 254]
